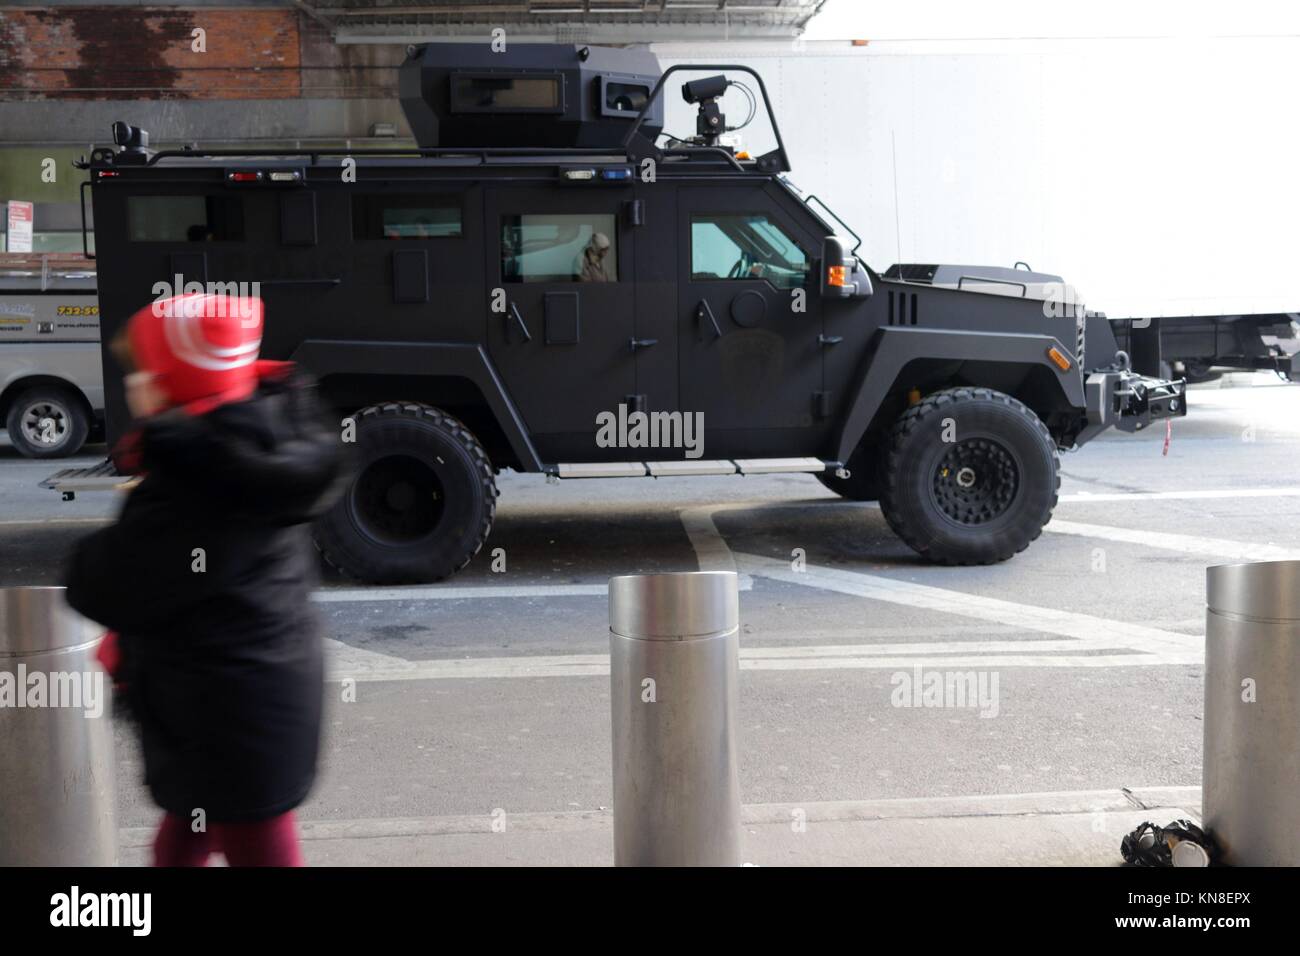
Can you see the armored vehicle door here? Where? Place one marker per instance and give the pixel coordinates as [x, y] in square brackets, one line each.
[749, 318]
[560, 321]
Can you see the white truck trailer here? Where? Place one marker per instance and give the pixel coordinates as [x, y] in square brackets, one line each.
[1155, 174]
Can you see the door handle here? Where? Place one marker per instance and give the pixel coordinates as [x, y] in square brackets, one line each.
[642, 343]
[523, 326]
[830, 339]
[702, 311]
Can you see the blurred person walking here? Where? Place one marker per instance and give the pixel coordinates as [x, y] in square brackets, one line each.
[206, 575]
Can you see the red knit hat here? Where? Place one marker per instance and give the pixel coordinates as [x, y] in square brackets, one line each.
[202, 349]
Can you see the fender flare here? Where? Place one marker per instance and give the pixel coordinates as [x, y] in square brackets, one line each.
[896, 347]
[323, 357]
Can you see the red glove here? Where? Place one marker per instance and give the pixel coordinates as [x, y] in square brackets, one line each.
[109, 654]
[126, 453]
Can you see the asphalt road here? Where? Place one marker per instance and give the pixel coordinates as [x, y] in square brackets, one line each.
[489, 691]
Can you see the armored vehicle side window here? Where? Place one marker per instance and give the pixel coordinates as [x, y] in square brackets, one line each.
[381, 216]
[745, 246]
[184, 218]
[554, 247]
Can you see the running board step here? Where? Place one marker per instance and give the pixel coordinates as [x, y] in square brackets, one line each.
[660, 469]
[776, 466]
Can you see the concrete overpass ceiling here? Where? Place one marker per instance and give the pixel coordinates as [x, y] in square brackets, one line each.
[620, 21]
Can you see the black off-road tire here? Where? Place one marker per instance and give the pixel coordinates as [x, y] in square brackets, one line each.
[47, 421]
[421, 504]
[864, 465]
[979, 436]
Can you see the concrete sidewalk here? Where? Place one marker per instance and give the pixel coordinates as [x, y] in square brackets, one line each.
[1074, 828]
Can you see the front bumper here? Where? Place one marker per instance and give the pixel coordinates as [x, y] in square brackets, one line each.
[1130, 402]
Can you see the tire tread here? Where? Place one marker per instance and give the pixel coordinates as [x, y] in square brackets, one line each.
[897, 516]
[466, 439]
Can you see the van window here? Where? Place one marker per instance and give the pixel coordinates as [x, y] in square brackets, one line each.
[552, 247]
[380, 216]
[184, 218]
[745, 246]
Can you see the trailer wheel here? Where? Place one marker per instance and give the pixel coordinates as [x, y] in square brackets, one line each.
[421, 504]
[1196, 371]
[971, 477]
[48, 421]
[863, 483]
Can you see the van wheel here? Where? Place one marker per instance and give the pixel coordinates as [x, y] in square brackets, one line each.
[971, 477]
[421, 504]
[863, 483]
[48, 422]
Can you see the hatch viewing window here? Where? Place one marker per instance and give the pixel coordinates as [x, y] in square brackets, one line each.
[405, 217]
[184, 218]
[745, 246]
[553, 247]
[502, 93]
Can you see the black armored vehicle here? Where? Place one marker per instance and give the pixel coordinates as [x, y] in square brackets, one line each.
[551, 283]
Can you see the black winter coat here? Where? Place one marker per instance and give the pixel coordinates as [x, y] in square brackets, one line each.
[223, 666]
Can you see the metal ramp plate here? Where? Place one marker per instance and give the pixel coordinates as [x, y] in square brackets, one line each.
[101, 477]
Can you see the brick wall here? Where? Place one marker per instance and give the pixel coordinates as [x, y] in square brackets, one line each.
[126, 53]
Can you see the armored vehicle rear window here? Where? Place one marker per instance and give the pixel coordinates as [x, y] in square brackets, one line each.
[184, 218]
[745, 246]
[555, 247]
[405, 217]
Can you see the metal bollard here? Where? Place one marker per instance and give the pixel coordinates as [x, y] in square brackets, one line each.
[1250, 796]
[674, 673]
[56, 756]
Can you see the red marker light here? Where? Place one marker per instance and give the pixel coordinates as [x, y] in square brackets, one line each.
[244, 177]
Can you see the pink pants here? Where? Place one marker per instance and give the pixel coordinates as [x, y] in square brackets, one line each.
[272, 842]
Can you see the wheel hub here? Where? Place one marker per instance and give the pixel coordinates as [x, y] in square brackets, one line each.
[975, 481]
[397, 499]
[44, 424]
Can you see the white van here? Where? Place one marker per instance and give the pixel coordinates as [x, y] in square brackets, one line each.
[51, 376]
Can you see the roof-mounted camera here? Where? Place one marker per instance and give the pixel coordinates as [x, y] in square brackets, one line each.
[132, 143]
[709, 88]
[710, 123]
[129, 137]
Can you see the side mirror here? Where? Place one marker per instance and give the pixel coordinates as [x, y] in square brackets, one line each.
[842, 275]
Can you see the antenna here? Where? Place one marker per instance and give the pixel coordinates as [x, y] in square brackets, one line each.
[898, 229]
